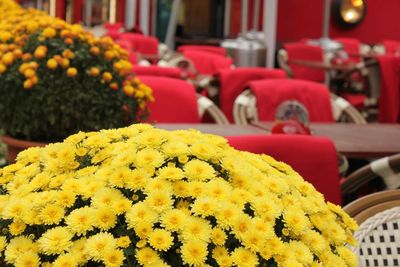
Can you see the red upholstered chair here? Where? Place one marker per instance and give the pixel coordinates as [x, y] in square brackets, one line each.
[157, 71]
[176, 102]
[392, 47]
[389, 99]
[302, 51]
[272, 92]
[114, 34]
[314, 158]
[145, 45]
[206, 48]
[352, 47]
[232, 82]
[208, 63]
[263, 97]
[113, 26]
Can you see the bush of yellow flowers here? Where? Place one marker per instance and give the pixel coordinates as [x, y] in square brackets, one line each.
[57, 79]
[142, 196]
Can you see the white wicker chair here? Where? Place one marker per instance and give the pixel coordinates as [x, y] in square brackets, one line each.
[379, 233]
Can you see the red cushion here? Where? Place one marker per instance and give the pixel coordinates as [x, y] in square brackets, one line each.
[113, 34]
[112, 26]
[302, 51]
[233, 82]
[392, 47]
[208, 63]
[175, 100]
[157, 71]
[313, 157]
[206, 48]
[389, 100]
[146, 45]
[352, 47]
[356, 100]
[271, 93]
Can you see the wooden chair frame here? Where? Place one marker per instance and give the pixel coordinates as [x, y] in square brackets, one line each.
[388, 168]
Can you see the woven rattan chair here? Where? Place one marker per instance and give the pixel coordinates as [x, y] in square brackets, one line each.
[378, 235]
[206, 106]
[245, 109]
[388, 168]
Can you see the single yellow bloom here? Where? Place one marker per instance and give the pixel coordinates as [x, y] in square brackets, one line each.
[52, 64]
[94, 72]
[128, 90]
[94, 50]
[8, 58]
[72, 72]
[49, 32]
[28, 84]
[107, 76]
[3, 68]
[40, 52]
[64, 62]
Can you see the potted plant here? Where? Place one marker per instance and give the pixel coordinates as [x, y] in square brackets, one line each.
[141, 196]
[57, 79]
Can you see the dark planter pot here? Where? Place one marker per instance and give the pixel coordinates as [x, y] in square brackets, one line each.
[15, 146]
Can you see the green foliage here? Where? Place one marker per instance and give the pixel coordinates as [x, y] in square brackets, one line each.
[58, 105]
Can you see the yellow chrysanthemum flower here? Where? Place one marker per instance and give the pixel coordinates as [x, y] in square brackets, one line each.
[300, 251]
[81, 220]
[196, 229]
[143, 229]
[113, 258]
[244, 258]
[295, 219]
[51, 214]
[98, 244]
[194, 252]
[160, 239]
[18, 246]
[348, 256]
[159, 201]
[204, 206]
[221, 255]
[105, 218]
[218, 236]
[146, 256]
[199, 170]
[123, 241]
[139, 213]
[137, 179]
[66, 260]
[175, 148]
[27, 259]
[55, 241]
[314, 241]
[173, 220]
[17, 227]
[170, 173]
[149, 157]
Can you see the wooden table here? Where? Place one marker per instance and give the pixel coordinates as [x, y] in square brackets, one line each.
[354, 140]
[323, 65]
[211, 128]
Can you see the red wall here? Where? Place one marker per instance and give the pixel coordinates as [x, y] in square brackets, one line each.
[303, 19]
[381, 22]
